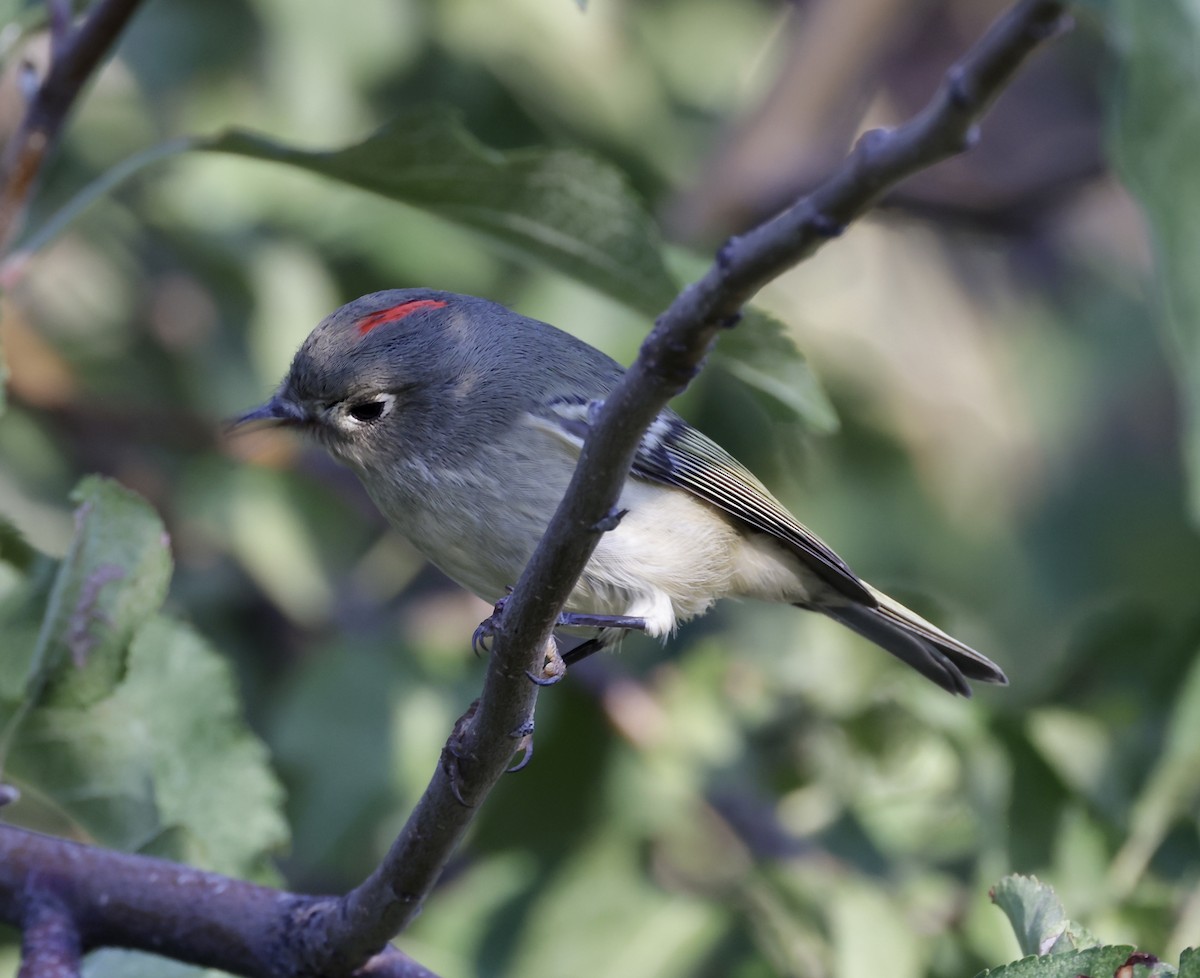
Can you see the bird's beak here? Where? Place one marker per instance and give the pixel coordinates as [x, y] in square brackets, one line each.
[279, 410]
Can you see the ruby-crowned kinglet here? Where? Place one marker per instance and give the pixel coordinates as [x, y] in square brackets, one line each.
[464, 421]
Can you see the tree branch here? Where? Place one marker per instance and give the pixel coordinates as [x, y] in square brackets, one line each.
[204, 918]
[670, 356]
[75, 55]
[65, 895]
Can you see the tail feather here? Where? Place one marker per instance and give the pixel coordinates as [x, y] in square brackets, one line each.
[913, 640]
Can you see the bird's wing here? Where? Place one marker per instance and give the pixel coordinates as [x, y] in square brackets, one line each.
[674, 453]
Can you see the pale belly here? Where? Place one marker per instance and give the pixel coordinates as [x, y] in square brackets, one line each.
[669, 559]
[674, 555]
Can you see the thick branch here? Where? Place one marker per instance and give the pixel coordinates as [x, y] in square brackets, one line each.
[68, 896]
[75, 55]
[669, 358]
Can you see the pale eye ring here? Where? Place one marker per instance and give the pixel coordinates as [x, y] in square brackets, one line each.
[371, 409]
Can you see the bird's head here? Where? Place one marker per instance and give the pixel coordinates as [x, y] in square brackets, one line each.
[377, 374]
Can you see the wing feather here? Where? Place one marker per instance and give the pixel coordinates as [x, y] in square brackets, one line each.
[674, 453]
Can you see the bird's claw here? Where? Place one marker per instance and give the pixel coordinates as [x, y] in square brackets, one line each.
[524, 737]
[482, 637]
[481, 640]
[526, 749]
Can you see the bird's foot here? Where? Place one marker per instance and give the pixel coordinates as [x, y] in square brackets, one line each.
[554, 664]
[453, 756]
[554, 667]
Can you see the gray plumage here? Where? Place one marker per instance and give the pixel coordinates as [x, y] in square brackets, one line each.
[464, 421]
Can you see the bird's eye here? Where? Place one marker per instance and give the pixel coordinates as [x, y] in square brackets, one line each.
[364, 412]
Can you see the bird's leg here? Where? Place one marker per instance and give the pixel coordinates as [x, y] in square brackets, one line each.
[574, 619]
[593, 645]
[583, 650]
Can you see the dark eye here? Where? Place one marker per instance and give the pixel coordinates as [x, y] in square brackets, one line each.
[366, 411]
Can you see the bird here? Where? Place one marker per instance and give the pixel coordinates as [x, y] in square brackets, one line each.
[464, 421]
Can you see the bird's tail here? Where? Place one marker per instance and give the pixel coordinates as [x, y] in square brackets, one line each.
[913, 640]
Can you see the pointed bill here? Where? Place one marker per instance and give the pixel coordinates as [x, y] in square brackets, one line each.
[279, 410]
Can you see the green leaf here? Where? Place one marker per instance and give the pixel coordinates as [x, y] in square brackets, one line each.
[115, 573]
[761, 355]
[1097, 961]
[1038, 918]
[1189, 963]
[559, 207]
[164, 764]
[1154, 135]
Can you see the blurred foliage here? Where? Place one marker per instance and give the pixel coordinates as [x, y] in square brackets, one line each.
[767, 794]
[1158, 80]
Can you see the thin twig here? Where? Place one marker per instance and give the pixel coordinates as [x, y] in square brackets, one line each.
[76, 55]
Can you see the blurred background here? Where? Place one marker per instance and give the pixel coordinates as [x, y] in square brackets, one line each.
[767, 794]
